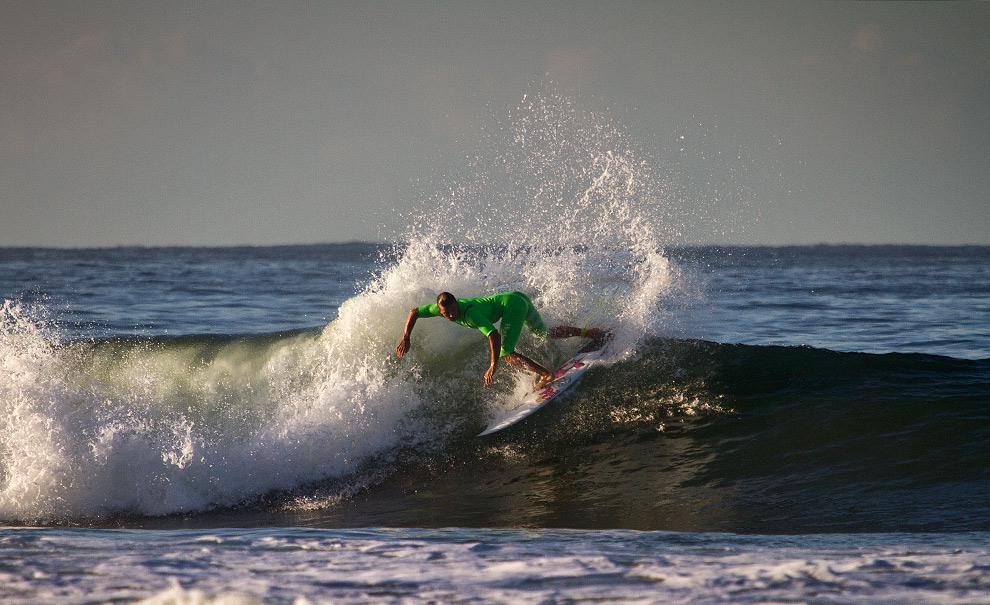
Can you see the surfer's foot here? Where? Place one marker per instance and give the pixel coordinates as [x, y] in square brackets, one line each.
[543, 381]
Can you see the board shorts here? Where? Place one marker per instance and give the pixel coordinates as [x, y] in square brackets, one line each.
[519, 311]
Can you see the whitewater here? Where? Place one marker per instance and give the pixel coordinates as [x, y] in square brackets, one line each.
[796, 423]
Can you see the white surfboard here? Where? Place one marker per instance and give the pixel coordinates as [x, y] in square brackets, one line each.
[565, 377]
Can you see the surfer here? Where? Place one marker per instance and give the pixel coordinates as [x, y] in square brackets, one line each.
[514, 309]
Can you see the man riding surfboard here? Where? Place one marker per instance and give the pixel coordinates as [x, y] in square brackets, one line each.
[514, 309]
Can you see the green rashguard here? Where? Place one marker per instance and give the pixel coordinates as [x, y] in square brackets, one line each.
[513, 308]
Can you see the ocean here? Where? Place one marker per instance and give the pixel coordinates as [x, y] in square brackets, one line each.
[801, 424]
[232, 425]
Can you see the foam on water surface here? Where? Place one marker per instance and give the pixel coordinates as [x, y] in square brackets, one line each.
[479, 566]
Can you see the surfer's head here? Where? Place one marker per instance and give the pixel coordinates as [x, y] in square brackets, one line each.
[448, 305]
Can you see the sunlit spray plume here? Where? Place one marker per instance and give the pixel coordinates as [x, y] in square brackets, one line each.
[564, 210]
[31, 460]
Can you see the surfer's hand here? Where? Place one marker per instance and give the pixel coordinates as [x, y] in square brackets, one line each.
[403, 347]
[490, 374]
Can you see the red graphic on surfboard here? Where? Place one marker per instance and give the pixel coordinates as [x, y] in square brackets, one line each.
[556, 386]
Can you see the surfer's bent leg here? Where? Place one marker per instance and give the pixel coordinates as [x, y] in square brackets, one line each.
[517, 309]
[535, 324]
[572, 332]
[533, 320]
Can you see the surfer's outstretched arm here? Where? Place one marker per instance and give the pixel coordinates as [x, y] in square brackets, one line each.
[404, 343]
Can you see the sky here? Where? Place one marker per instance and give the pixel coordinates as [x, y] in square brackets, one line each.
[257, 122]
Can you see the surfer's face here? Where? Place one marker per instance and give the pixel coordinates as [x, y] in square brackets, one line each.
[449, 312]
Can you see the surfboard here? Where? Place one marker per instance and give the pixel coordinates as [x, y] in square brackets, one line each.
[564, 378]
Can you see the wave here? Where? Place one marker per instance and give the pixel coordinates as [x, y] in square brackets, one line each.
[753, 437]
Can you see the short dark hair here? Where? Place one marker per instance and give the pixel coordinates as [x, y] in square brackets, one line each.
[445, 299]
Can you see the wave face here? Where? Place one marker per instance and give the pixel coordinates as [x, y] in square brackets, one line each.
[698, 436]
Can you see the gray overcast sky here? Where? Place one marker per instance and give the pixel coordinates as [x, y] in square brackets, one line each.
[217, 123]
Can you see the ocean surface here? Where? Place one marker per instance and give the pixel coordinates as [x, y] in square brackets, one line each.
[771, 424]
[791, 424]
